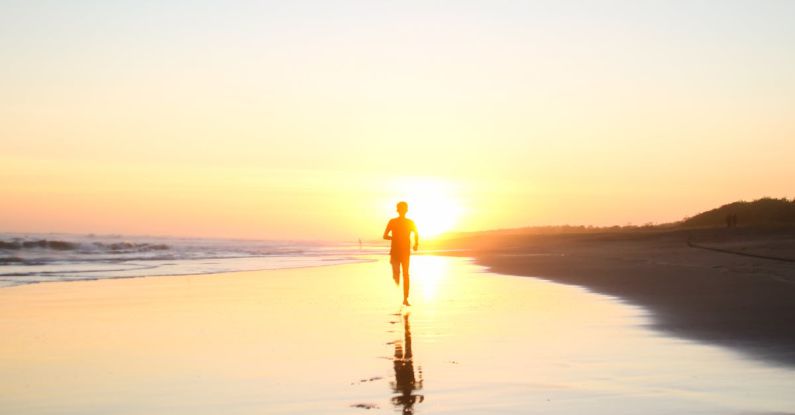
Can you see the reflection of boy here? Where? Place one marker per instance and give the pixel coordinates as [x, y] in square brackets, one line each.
[401, 228]
[405, 381]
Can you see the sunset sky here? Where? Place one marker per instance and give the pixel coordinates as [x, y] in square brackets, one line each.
[310, 120]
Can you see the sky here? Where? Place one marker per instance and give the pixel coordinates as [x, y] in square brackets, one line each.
[311, 119]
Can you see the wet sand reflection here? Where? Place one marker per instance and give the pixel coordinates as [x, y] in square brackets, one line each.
[405, 380]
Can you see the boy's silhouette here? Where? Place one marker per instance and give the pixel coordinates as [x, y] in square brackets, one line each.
[401, 228]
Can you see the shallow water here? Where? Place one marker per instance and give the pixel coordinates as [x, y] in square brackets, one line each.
[335, 340]
[35, 258]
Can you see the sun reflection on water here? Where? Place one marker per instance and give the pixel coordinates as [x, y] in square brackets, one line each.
[429, 274]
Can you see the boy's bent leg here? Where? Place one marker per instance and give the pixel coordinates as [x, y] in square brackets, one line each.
[395, 269]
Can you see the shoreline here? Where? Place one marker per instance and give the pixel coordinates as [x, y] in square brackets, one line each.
[716, 286]
[356, 260]
[745, 302]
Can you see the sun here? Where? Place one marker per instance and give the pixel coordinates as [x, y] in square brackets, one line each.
[433, 204]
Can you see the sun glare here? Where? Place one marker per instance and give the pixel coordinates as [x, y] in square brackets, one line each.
[433, 204]
[429, 272]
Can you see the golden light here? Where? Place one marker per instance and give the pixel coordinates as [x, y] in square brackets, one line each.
[433, 204]
[428, 273]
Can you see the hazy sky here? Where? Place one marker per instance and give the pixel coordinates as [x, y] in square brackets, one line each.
[311, 119]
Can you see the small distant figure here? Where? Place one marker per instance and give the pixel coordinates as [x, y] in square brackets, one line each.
[731, 220]
[360, 244]
[401, 228]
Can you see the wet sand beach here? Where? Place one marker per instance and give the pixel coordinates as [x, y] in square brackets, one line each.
[335, 340]
[734, 287]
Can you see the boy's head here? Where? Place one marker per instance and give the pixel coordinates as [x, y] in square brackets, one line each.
[402, 208]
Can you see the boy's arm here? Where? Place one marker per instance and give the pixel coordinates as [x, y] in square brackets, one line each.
[387, 230]
[416, 237]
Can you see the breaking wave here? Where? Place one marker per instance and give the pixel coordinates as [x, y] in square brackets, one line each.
[28, 258]
[58, 245]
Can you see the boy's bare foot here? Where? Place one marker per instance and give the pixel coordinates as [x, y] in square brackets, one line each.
[406, 302]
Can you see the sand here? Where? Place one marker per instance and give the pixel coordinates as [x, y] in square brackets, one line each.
[689, 279]
[334, 340]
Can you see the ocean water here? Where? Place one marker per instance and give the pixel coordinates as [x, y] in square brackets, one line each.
[33, 258]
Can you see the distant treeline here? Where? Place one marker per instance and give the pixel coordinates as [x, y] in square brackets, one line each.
[765, 211]
[563, 229]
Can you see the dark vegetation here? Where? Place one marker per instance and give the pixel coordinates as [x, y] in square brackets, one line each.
[762, 212]
[765, 211]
